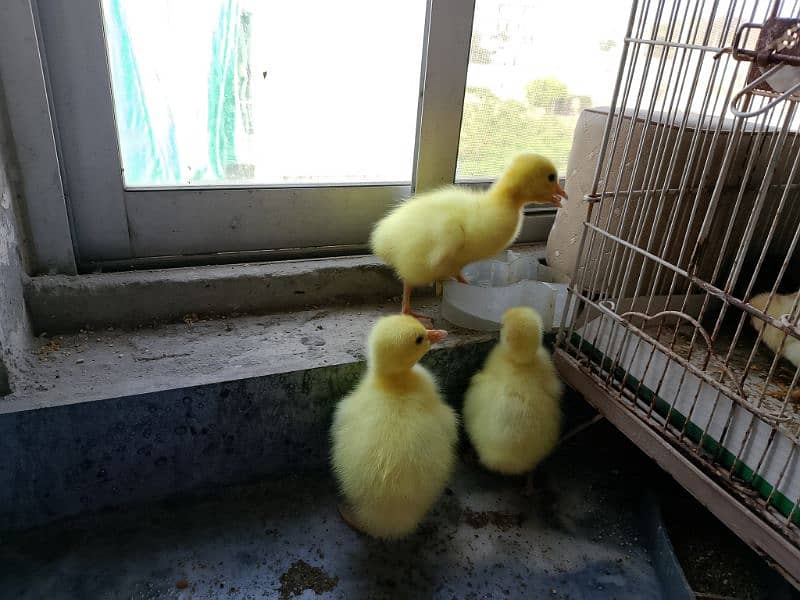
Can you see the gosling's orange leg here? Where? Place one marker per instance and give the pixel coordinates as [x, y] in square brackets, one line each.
[795, 394]
[406, 306]
[461, 279]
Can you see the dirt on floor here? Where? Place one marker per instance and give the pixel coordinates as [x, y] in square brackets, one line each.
[503, 521]
[717, 564]
[302, 576]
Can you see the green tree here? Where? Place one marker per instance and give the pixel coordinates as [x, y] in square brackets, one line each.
[546, 93]
[494, 129]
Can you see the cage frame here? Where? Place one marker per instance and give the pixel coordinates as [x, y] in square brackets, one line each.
[751, 517]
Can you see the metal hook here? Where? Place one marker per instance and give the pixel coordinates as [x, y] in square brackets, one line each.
[769, 105]
[699, 328]
[609, 304]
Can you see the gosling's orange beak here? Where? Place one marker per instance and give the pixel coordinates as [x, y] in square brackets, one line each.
[558, 194]
[436, 335]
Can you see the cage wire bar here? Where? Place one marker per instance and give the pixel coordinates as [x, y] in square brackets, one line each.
[683, 324]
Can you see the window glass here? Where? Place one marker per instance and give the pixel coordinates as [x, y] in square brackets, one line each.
[223, 92]
[534, 65]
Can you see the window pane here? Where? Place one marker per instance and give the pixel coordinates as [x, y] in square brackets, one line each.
[534, 65]
[251, 92]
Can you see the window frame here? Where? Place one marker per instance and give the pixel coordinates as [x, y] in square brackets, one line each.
[101, 224]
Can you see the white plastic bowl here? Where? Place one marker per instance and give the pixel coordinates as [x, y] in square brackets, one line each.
[506, 281]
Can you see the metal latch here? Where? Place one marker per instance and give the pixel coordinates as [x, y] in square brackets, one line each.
[775, 69]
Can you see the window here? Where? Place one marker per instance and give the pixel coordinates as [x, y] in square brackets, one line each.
[529, 78]
[232, 92]
[189, 128]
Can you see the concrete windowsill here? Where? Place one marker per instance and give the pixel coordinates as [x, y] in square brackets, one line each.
[139, 332]
[66, 304]
[114, 363]
[108, 418]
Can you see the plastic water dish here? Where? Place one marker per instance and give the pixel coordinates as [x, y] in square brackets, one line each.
[506, 281]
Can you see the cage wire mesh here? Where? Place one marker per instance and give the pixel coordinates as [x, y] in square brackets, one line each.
[685, 294]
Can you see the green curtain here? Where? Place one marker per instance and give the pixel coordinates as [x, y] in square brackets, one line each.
[222, 91]
[149, 149]
[148, 156]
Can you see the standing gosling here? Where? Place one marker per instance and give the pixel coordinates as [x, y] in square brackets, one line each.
[433, 235]
[393, 437]
[512, 410]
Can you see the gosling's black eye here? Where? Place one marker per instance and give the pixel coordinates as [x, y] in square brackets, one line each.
[551, 177]
[419, 339]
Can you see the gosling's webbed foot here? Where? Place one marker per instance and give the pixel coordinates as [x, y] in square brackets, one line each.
[461, 279]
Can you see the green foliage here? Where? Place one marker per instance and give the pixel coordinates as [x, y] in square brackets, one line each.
[546, 93]
[494, 129]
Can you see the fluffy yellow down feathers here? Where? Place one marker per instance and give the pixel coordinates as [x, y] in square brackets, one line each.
[393, 436]
[512, 410]
[432, 236]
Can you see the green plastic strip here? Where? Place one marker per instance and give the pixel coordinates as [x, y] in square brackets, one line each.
[694, 433]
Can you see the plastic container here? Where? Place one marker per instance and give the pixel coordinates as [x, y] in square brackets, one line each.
[506, 281]
[784, 79]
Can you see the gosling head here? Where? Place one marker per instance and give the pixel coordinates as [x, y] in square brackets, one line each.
[530, 179]
[396, 343]
[521, 333]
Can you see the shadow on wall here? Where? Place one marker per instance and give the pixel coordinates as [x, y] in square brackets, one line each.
[15, 331]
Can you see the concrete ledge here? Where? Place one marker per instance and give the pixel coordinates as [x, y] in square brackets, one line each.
[120, 417]
[117, 363]
[64, 304]
[59, 303]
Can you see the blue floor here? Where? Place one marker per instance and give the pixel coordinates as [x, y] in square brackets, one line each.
[579, 536]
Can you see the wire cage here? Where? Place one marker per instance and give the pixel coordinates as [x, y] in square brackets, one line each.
[684, 325]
